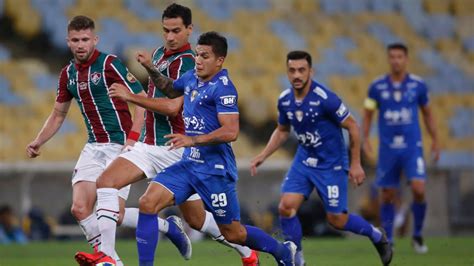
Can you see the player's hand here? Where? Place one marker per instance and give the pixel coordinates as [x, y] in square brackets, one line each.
[435, 151]
[356, 174]
[177, 141]
[32, 150]
[256, 162]
[118, 90]
[144, 58]
[128, 145]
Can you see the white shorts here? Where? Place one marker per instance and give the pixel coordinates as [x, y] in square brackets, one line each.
[152, 159]
[94, 158]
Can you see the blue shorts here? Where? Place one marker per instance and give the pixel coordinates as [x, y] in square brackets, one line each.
[330, 184]
[392, 162]
[217, 192]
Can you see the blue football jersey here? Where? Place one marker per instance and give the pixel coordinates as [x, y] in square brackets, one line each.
[317, 124]
[203, 101]
[398, 110]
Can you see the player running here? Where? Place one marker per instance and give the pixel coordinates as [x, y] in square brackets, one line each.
[88, 79]
[208, 167]
[149, 156]
[321, 161]
[397, 96]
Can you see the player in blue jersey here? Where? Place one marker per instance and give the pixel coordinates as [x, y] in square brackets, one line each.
[321, 162]
[208, 166]
[397, 96]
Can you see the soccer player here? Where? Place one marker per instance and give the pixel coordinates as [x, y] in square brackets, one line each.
[149, 156]
[87, 79]
[208, 166]
[397, 96]
[321, 161]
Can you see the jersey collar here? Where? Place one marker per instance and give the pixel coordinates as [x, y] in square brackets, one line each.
[82, 66]
[180, 50]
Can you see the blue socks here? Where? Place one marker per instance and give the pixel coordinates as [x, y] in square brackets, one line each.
[292, 230]
[387, 216]
[147, 238]
[419, 211]
[257, 239]
[358, 225]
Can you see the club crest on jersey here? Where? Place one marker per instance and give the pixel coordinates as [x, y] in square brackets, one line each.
[163, 65]
[95, 77]
[82, 85]
[131, 78]
[397, 95]
[194, 93]
[229, 100]
[299, 115]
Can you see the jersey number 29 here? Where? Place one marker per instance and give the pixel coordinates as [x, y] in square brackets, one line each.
[219, 200]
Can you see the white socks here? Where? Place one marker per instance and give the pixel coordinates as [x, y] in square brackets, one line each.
[91, 231]
[107, 217]
[210, 227]
[130, 219]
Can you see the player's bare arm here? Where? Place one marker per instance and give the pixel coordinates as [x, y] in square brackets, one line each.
[50, 127]
[160, 81]
[356, 172]
[279, 136]
[431, 127]
[366, 124]
[164, 106]
[228, 132]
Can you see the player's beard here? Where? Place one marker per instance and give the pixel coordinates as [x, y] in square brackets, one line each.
[85, 58]
[303, 84]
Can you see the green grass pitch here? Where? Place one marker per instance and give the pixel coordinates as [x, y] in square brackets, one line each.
[318, 251]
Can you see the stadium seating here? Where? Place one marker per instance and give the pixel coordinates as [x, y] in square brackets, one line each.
[346, 38]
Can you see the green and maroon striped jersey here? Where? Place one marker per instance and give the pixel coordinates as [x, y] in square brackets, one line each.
[171, 64]
[107, 120]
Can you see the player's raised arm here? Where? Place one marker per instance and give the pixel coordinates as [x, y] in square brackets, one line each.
[356, 172]
[161, 82]
[50, 127]
[279, 136]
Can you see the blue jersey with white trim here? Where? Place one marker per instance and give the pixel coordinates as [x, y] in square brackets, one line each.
[317, 124]
[203, 102]
[398, 110]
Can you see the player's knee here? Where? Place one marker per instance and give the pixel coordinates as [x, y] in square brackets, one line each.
[235, 236]
[80, 211]
[388, 196]
[286, 210]
[104, 181]
[336, 221]
[148, 204]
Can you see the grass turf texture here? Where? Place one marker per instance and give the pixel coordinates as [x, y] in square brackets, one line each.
[318, 251]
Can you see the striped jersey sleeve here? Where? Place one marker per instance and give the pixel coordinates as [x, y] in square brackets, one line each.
[63, 94]
[117, 72]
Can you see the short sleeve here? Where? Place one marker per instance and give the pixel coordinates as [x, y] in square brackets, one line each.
[335, 108]
[119, 73]
[282, 117]
[371, 101]
[181, 82]
[62, 93]
[423, 98]
[226, 98]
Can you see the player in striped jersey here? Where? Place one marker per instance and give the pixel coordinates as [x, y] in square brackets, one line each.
[87, 79]
[150, 156]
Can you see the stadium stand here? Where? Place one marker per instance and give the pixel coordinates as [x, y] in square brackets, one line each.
[346, 38]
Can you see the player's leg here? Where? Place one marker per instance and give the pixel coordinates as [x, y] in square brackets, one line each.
[220, 197]
[296, 187]
[169, 187]
[332, 188]
[388, 179]
[83, 201]
[415, 168]
[199, 219]
[119, 174]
